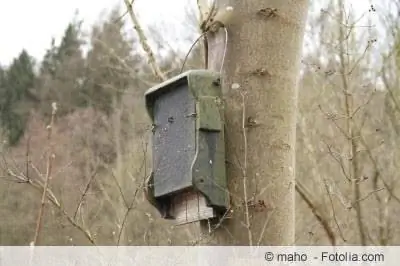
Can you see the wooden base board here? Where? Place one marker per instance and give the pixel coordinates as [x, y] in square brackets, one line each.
[190, 207]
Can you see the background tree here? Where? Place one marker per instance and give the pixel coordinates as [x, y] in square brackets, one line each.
[62, 77]
[343, 134]
[17, 96]
[111, 64]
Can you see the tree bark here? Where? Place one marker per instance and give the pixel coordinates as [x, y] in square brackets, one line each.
[261, 70]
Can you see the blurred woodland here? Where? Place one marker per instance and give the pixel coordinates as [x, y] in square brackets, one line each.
[92, 146]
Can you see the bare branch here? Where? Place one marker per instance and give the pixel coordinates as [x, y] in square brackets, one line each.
[316, 211]
[244, 130]
[143, 41]
[50, 158]
[333, 211]
[92, 176]
[366, 196]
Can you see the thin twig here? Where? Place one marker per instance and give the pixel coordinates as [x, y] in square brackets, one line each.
[244, 130]
[120, 190]
[130, 206]
[359, 59]
[363, 104]
[333, 211]
[329, 117]
[50, 158]
[377, 174]
[367, 196]
[339, 161]
[93, 175]
[267, 220]
[218, 225]
[50, 195]
[27, 156]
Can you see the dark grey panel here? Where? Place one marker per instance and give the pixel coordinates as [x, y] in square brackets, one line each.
[173, 140]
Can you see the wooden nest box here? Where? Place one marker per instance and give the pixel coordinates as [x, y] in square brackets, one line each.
[188, 181]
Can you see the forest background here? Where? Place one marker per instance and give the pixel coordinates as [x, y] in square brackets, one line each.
[96, 135]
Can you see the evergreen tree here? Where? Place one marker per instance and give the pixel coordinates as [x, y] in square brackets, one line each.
[20, 78]
[62, 73]
[110, 63]
[48, 63]
[71, 42]
[17, 97]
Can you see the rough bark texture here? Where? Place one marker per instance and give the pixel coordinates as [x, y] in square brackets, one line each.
[263, 57]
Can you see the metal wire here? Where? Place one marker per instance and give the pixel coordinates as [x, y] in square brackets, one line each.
[225, 48]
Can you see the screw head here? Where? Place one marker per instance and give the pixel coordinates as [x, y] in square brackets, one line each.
[217, 82]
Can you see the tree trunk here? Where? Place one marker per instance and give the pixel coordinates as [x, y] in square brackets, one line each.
[259, 79]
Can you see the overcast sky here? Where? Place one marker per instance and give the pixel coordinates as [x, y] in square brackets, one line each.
[31, 24]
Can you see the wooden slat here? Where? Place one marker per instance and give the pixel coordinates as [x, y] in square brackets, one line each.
[190, 207]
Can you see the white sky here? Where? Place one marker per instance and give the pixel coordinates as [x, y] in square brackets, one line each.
[31, 24]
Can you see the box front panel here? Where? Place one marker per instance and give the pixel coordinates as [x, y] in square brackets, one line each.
[174, 143]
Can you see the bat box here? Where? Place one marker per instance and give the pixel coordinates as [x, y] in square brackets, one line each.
[188, 181]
